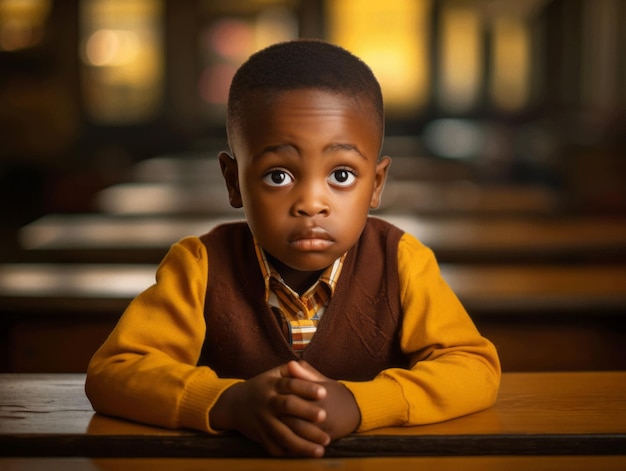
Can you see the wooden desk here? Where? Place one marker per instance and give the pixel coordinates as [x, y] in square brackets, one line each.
[54, 316]
[535, 414]
[98, 238]
[483, 289]
[439, 463]
[187, 167]
[466, 197]
[409, 195]
[134, 239]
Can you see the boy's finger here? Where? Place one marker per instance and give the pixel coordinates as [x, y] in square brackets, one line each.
[283, 370]
[308, 431]
[302, 388]
[302, 370]
[296, 406]
[282, 440]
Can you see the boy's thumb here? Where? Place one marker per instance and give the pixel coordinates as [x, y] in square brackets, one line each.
[303, 370]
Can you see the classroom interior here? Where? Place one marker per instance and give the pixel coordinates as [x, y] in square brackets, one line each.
[505, 120]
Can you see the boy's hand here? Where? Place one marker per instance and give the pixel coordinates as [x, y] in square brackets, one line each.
[342, 412]
[276, 410]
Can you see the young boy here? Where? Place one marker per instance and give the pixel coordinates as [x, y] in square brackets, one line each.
[310, 320]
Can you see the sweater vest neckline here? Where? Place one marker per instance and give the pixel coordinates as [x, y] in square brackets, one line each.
[357, 337]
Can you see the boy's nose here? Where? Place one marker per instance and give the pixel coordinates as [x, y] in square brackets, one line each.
[311, 201]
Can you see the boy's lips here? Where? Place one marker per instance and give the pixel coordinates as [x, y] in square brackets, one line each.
[311, 239]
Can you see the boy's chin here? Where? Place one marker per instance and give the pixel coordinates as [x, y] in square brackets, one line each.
[309, 262]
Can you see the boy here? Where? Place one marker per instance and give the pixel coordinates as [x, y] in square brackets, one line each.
[310, 320]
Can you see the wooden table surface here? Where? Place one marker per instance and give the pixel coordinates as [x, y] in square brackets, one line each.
[582, 413]
[440, 463]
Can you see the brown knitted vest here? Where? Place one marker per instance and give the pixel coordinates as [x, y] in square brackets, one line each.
[357, 337]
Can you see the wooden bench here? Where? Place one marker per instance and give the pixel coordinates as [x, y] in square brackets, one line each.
[53, 316]
[134, 239]
[581, 413]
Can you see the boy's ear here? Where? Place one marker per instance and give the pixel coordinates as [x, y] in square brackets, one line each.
[382, 167]
[230, 172]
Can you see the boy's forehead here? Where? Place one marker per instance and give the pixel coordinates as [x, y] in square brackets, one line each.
[267, 100]
[270, 118]
[262, 104]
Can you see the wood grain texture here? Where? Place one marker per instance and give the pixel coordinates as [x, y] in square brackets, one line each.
[535, 414]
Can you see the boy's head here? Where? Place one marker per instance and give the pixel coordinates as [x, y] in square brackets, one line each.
[305, 125]
[303, 64]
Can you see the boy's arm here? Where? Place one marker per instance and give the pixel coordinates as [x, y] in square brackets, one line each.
[454, 370]
[146, 370]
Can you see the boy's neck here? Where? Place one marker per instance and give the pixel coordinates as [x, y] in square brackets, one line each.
[297, 280]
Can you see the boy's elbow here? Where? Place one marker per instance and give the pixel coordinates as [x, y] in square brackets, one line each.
[493, 377]
[493, 387]
[98, 383]
[93, 385]
[91, 391]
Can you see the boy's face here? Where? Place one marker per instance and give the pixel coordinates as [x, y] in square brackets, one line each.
[306, 173]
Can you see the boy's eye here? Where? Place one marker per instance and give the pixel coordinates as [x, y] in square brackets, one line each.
[342, 177]
[277, 178]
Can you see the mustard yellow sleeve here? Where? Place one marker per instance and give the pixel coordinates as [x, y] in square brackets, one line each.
[453, 369]
[146, 370]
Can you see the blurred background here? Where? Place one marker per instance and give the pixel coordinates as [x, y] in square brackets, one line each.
[117, 107]
[516, 90]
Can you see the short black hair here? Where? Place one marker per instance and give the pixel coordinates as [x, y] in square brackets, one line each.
[300, 64]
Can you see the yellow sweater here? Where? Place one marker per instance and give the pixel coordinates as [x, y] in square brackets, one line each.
[146, 370]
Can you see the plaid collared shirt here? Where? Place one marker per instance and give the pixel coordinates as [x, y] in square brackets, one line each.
[298, 314]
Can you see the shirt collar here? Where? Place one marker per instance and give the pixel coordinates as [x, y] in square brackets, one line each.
[329, 276]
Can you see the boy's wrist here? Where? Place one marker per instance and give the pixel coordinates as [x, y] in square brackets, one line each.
[221, 414]
[344, 415]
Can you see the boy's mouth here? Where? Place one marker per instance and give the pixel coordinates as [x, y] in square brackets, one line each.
[311, 239]
[312, 245]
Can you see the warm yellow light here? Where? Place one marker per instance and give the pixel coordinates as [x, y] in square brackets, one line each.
[122, 51]
[274, 25]
[107, 47]
[461, 57]
[231, 40]
[22, 23]
[511, 62]
[392, 37]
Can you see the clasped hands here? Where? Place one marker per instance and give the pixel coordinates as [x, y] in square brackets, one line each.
[291, 410]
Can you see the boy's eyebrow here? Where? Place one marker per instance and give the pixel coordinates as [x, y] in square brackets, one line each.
[274, 148]
[348, 147]
[278, 147]
[329, 148]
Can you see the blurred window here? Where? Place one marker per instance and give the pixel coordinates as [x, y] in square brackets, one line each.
[393, 38]
[122, 55]
[231, 32]
[510, 73]
[461, 56]
[22, 23]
